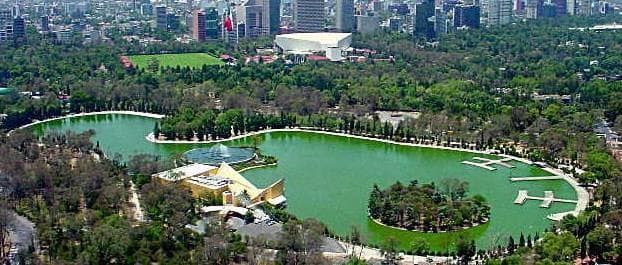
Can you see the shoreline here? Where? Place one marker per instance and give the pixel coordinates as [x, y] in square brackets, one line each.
[150, 137]
[376, 221]
[124, 112]
[257, 166]
[582, 194]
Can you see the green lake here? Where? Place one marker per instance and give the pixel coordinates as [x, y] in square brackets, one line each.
[329, 177]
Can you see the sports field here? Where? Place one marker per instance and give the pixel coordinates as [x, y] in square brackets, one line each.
[193, 60]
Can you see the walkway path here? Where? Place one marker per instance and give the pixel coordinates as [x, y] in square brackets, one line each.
[138, 213]
[368, 253]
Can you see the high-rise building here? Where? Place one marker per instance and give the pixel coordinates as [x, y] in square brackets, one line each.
[161, 18]
[560, 7]
[424, 26]
[519, 6]
[250, 19]
[211, 23]
[499, 12]
[19, 30]
[571, 7]
[45, 23]
[173, 23]
[366, 24]
[344, 15]
[146, 9]
[198, 25]
[466, 16]
[309, 15]
[5, 15]
[395, 24]
[534, 9]
[585, 7]
[440, 21]
[271, 16]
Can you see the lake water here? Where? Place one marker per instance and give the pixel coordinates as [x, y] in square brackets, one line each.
[329, 177]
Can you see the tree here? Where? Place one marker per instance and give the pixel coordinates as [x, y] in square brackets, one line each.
[465, 249]
[560, 247]
[107, 244]
[419, 246]
[154, 65]
[389, 249]
[599, 241]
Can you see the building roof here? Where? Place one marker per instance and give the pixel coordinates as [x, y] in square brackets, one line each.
[184, 172]
[330, 39]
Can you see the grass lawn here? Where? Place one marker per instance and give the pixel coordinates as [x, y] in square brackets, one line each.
[193, 60]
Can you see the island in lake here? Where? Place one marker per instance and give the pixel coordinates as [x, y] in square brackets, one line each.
[428, 207]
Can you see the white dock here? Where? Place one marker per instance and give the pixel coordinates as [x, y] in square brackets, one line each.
[478, 165]
[522, 197]
[536, 178]
[547, 200]
[486, 163]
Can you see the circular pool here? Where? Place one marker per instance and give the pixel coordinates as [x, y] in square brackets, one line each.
[220, 153]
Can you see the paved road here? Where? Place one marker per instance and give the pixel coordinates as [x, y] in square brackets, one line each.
[21, 233]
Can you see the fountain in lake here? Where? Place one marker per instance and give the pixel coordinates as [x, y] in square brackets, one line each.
[219, 153]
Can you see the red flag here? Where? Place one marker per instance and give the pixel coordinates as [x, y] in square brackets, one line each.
[228, 24]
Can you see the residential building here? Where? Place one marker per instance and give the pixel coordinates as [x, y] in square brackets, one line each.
[309, 15]
[344, 15]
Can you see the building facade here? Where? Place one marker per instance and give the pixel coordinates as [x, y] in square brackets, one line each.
[466, 16]
[161, 18]
[423, 26]
[309, 15]
[344, 15]
[198, 25]
[499, 12]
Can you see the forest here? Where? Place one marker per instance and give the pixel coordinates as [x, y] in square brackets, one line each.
[428, 207]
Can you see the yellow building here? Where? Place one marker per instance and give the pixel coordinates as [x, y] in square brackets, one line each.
[223, 181]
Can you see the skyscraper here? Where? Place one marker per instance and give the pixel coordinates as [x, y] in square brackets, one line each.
[271, 15]
[45, 23]
[424, 27]
[499, 12]
[366, 24]
[344, 15]
[466, 16]
[211, 23]
[198, 25]
[571, 7]
[250, 19]
[19, 30]
[309, 15]
[161, 18]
